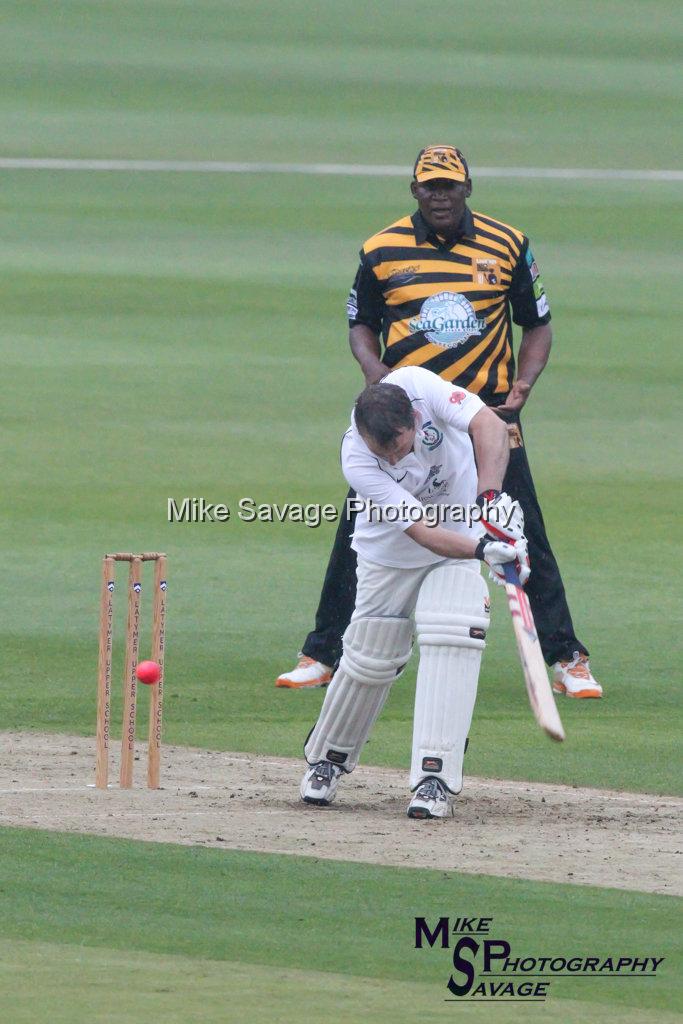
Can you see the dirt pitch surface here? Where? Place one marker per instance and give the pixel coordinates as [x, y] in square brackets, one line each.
[240, 801]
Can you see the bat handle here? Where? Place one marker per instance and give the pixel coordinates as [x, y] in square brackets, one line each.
[511, 575]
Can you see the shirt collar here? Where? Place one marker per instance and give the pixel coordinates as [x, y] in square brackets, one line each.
[423, 231]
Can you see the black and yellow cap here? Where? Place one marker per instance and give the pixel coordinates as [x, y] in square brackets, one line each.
[440, 162]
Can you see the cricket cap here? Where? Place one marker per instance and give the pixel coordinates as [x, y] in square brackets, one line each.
[440, 162]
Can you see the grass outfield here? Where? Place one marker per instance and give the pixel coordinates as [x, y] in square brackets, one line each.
[161, 339]
[172, 335]
[591, 85]
[109, 930]
[74, 984]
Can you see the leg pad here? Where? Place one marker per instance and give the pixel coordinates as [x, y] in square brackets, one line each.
[375, 652]
[451, 618]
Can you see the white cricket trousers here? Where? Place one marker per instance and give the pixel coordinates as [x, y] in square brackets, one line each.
[386, 590]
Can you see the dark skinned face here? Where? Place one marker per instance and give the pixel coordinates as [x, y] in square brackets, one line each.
[442, 202]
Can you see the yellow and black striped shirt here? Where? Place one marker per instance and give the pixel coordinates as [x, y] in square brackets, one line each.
[449, 306]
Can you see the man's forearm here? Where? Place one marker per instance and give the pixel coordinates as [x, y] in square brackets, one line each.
[534, 350]
[491, 449]
[442, 542]
[367, 350]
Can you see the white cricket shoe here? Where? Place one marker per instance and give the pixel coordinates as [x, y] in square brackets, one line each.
[574, 679]
[319, 784]
[308, 673]
[431, 800]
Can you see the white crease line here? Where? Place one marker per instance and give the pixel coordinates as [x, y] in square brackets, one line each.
[174, 790]
[47, 789]
[354, 170]
[531, 791]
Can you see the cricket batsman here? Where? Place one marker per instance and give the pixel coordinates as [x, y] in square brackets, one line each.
[424, 457]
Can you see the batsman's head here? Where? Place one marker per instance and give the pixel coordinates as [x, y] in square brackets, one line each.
[386, 421]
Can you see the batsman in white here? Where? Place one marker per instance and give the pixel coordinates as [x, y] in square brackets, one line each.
[417, 448]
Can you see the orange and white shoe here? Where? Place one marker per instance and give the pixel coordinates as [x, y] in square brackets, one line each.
[307, 675]
[573, 678]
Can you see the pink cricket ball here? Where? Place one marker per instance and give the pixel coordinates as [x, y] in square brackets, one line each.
[148, 672]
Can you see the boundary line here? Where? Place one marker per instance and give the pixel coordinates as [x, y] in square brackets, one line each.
[345, 170]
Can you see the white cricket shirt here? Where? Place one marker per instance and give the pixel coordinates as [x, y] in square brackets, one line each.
[440, 470]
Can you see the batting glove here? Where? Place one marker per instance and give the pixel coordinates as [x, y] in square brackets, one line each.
[502, 517]
[496, 553]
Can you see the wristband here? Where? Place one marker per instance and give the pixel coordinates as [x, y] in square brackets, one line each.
[479, 550]
[487, 497]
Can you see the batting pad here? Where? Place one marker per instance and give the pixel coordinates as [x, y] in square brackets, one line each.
[375, 651]
[451, 619]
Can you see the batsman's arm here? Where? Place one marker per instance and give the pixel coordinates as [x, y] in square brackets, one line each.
[491, 449]
[454, 545]
[441, 541]
[366, 349]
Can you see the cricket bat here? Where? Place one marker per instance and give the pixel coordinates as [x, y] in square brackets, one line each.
[535, 674]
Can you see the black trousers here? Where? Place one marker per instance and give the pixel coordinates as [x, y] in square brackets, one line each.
[545, 588]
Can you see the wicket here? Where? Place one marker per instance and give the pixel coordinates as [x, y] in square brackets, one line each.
[129, 679]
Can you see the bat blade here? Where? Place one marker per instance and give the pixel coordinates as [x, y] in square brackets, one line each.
[533, 666]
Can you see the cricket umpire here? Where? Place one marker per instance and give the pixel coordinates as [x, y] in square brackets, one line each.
[440, 289]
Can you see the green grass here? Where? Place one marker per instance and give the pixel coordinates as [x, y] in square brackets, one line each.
[162, 340]
[591, 85]
[165, 335]
[90, 917]
[66, 983]
[172, 335]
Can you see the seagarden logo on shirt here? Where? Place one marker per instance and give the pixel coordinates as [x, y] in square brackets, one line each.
[448, 319]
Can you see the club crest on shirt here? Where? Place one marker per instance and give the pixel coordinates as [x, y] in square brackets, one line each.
[431, 436]
[447, 319]
[486, 271]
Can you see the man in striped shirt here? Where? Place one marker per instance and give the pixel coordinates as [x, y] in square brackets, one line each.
[440, 289]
